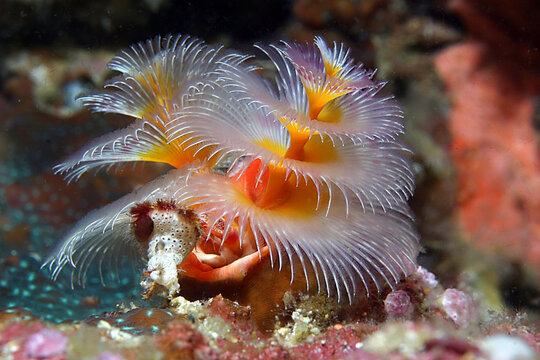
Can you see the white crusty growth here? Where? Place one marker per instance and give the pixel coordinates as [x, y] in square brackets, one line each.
[174, 236]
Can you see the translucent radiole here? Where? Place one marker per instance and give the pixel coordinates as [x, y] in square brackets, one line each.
[310, 174]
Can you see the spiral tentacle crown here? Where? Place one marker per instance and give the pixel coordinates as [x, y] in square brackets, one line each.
[307, 171]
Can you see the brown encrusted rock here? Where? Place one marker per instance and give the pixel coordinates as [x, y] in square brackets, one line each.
[182, 341]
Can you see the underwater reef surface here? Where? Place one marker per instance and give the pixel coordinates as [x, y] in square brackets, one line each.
[452, 327]
[41, 124]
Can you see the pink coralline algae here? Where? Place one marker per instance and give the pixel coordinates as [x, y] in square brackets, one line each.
[46, 343]
[181, 341]
[337, 343]
[458, 306]
[493, 88]
[398, 304]
[448, 348]
[16, 331]
[107, 355]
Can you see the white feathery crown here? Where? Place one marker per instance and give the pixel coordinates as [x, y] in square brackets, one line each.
[315, 171]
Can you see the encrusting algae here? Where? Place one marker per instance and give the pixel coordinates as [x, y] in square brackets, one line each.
[311, 176]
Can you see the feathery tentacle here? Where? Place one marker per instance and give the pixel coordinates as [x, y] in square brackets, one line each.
[106, 233]
[370, 247]
[311, 174]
